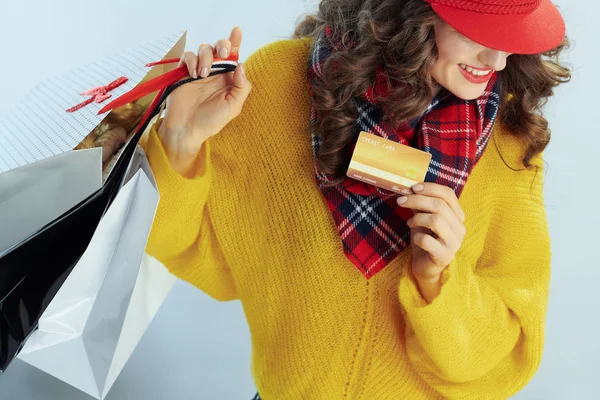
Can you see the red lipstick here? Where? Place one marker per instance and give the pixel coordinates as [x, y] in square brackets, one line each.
[476, 79]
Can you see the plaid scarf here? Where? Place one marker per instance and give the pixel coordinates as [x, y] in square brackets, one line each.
[455, 132]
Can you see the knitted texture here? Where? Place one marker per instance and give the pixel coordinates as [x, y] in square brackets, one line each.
[252, 225]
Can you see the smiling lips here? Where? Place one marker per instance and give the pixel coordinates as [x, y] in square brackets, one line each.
[475, 75]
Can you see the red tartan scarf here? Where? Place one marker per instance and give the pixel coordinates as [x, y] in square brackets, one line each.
[455, 132]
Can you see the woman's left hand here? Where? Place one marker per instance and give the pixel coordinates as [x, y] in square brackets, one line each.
[437, 229]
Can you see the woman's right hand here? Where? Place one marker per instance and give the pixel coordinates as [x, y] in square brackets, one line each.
[200, 109]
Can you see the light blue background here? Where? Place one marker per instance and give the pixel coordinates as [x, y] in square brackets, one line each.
[197, 348]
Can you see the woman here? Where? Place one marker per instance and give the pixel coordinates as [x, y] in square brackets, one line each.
[350, 290]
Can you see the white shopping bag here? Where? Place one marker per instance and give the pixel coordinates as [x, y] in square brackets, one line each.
[98, 316]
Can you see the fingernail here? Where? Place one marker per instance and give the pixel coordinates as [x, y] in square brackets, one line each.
[223, 52]
[204, 72]
[194, 73]
[418, 187]
[402, 200]
[243, 71]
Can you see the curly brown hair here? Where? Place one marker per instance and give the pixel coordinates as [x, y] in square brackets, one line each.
[398, 35]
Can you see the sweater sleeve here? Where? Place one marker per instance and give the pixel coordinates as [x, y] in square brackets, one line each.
[182, 235]
[483, 336]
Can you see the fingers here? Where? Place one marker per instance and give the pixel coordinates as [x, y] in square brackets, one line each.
[439, 226]
[240, 91]
[191, 60]
[223, 48]
[205, 60]
[198, 65]
[236, 40]
[438, 253]
[443, 192]
[433, 205]
[201, 64]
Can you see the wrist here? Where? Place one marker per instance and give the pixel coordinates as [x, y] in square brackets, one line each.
[429, 280]
[182, 155]
[429, 287]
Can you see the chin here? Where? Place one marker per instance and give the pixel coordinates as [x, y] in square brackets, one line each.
[467, 93]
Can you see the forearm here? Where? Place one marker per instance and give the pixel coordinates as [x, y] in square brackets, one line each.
[460, 328]
[469, 342]
[182, 200]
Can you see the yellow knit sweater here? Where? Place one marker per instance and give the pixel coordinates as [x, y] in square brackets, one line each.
[252, 225]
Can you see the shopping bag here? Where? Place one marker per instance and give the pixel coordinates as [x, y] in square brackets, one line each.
[62, 181]
[34, 267]
[99, 314]
[57, 256]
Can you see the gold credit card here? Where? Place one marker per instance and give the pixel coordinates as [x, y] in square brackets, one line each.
[387, 164]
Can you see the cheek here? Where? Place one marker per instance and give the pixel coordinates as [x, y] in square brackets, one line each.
[447, 74]
[444, 71]
[450, 54]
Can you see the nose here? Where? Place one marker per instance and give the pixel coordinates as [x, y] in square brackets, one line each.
[494, 58]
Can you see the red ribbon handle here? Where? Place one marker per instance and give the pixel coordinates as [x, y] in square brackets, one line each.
[146, 88]
[155, 84]
[233, 57]
[99, 93]
[159, 83]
